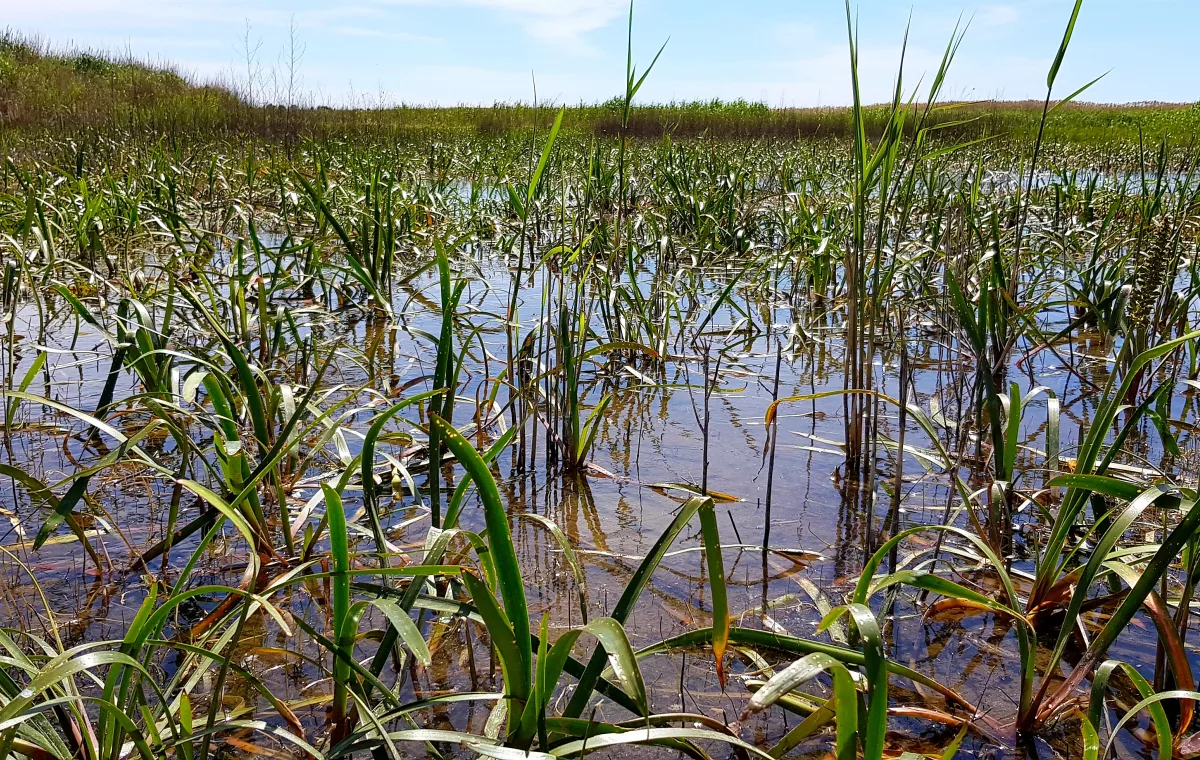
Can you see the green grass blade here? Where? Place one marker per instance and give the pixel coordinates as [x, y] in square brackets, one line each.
[622, 659]
[629, 597]
[508, 570]
[26, 381]
[1062, 46]
[535, 180]
[339, 548]
[716, 578]
[514, 659]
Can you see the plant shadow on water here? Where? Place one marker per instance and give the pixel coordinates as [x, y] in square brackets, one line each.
[538, 445]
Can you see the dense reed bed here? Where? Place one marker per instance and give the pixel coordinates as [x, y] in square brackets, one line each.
[546, 439]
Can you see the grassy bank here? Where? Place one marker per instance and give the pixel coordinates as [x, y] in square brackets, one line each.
[43, 88]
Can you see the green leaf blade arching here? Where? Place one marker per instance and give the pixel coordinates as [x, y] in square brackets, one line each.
[500, 543]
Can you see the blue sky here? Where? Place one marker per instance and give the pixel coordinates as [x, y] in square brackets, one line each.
[781, 52]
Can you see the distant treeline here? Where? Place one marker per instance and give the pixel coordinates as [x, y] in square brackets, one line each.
[47, 89]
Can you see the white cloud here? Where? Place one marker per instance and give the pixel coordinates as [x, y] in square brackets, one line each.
[563, 22]
[371, 33]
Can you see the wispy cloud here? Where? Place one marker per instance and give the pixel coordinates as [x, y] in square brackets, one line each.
[380, 34]
[562, 22]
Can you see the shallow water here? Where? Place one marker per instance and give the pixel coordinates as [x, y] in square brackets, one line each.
[648, 446]
[648, 454]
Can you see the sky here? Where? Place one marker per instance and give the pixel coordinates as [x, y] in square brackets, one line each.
[781, 52]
